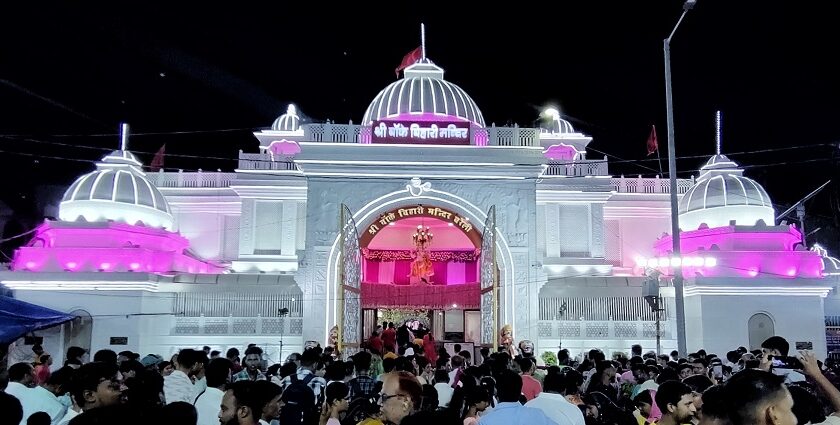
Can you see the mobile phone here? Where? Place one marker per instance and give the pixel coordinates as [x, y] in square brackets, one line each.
[786, 362]
[718, 371]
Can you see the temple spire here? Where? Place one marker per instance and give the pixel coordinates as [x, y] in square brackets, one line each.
[124, 136]
[422, 42]
[717, 132]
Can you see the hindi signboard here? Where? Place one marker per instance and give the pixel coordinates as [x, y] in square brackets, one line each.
[421, 132]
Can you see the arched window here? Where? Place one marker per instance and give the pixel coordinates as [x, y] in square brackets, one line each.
[79, 331]
[760, 327]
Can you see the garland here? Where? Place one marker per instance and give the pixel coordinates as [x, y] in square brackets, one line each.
[399, 315]
[436, 256]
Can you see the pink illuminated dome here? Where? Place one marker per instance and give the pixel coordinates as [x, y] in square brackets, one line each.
[722, 194]
[423, 92]
[117, 190]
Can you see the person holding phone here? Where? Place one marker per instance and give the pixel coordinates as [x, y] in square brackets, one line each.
[775, 359]
[812, 368]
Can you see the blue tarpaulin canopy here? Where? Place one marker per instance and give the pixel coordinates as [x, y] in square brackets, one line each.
[18, 318]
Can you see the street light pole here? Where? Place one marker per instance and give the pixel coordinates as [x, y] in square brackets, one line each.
[679, 296]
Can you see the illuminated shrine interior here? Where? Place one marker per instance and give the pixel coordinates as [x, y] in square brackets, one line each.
[456, 262]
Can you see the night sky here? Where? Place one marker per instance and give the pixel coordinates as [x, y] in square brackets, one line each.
[70, 72]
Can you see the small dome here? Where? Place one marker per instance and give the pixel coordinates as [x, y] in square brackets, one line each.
[423, 91]
[558, 126]
[723, 194]
[288, 121]
[117, 191]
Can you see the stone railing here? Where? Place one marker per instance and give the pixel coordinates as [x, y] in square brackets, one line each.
[603, 329]
[649, 185]
[579, 168]
[191, 179]
[264, 161]
[290, 326]
[354, 133]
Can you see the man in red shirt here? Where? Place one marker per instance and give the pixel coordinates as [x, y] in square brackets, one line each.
[375, 343]
[530, 386]
[389, 337]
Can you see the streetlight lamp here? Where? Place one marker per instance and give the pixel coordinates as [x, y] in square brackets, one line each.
[672, 177]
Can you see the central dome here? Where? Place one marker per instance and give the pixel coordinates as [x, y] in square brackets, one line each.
[423, 91]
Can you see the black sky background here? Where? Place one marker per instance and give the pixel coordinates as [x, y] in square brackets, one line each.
[71, 71]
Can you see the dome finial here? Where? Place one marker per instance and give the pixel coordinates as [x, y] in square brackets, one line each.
[124, 136]
[717, 132]
[422, 42]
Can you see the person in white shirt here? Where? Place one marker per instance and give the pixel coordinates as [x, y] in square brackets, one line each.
[44, 398]
[552, 402]
[208, 401]
[444, 390]
[96, 385]
[21, 381]
[178, 386]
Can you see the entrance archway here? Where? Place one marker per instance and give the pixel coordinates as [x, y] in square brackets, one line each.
[421, 264]
[418, 192]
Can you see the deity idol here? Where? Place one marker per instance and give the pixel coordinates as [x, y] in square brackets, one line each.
[506, 340]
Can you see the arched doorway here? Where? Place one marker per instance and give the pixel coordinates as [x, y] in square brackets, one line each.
[499, 305]
[422, 262]
[760, 327]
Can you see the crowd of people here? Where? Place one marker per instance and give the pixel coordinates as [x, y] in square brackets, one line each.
[404, 381]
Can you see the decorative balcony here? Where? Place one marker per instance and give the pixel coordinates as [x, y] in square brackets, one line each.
[491, 136]
[649, 185]
[191, 179]
[578, 168]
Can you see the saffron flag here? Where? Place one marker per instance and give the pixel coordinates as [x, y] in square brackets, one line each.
[410, 59]
[652, 144]
[157, 161]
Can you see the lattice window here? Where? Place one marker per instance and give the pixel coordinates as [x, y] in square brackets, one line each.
[574, 231]
[296, 327]
[597, 330]
[625, 330]
[244, 326]
[216, 326]
[545, 330]
[272, 326]
[649, 330]
[612, 236]
[186, 326]
[569, 329]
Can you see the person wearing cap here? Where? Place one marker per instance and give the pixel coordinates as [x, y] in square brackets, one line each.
[151, 360]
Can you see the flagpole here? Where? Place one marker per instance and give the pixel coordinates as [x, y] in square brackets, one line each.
[422, 41]
[659, 159]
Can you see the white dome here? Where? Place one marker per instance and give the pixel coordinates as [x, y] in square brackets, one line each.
[557, 126]
[288, 121]
[423, 91]
[723, 194]
[117, 191]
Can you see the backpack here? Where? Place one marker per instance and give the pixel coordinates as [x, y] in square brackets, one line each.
[299, 402]
[362, 406]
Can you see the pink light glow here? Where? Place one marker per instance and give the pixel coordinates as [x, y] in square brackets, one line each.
[284, 148]
[561, 152]
[744, 250]
[60, 246]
